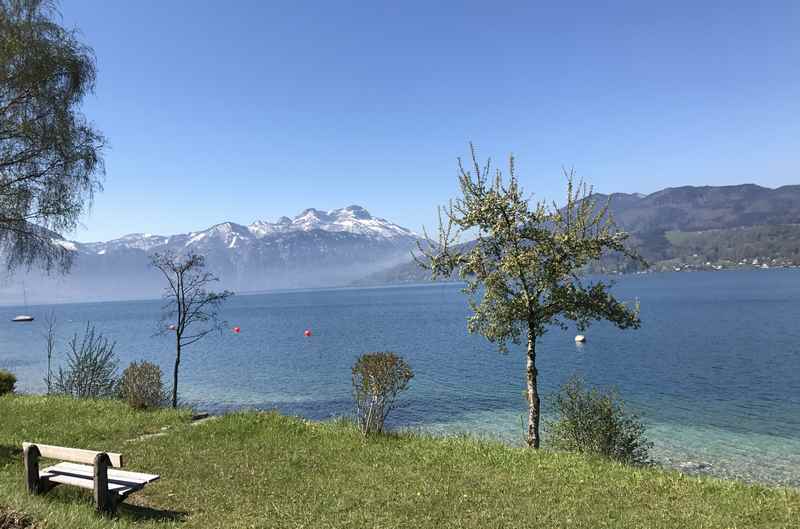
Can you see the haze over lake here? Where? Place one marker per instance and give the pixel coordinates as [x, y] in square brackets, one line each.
[714, 370]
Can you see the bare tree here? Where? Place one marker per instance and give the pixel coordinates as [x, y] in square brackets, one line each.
[190, 310]
[91, 370]
[50, 340]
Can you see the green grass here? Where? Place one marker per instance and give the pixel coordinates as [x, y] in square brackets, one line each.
[268, 470]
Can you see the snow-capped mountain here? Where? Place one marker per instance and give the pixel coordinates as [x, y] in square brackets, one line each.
[352, 219]
[315, 248]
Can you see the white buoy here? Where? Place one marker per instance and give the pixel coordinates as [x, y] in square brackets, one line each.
[580, 338]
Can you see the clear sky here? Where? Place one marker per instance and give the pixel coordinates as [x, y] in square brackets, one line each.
[239, 110]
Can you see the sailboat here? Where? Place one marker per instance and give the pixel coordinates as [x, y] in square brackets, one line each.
[23, 317]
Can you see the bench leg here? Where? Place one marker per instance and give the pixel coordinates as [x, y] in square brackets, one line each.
[104, 500]
[31, 458]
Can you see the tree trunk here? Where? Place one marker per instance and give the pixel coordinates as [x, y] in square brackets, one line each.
[175, 372]
[533, 438]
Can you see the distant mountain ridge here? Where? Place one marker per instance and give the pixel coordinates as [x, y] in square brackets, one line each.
[690, 227]
[313, 249]
[690, 208]
[352, 219]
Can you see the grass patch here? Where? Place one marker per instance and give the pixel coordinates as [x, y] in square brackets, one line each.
[268, 470]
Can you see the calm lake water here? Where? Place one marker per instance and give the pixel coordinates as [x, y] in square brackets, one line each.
[714, 370]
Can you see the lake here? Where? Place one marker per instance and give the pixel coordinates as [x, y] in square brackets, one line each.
[714, 370]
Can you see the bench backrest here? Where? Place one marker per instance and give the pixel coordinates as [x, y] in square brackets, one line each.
[75, 455]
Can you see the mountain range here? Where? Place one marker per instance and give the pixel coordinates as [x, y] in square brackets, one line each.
[692, 208]
[690, 228]
[676, 228]
[710, 227]
[314, 249]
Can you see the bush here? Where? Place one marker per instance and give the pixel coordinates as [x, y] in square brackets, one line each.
[141, 386]
[91, 367]
[596, 422]
[7, 381]
[377, 380]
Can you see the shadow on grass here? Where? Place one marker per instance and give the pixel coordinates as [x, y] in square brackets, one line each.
[10, 454]
[129, 511]
[141, 513]
[72, 496]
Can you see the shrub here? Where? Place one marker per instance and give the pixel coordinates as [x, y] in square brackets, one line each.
[594, 421]
[141, 386]
[7, 381]
[377, 380]
[91, 367]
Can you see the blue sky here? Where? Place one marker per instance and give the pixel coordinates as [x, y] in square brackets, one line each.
[237, 111]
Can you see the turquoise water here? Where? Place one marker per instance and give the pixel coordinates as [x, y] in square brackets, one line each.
[714, 370]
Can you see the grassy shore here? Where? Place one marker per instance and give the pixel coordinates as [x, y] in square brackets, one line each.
[267, 470]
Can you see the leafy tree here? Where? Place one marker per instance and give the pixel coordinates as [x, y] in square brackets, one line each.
[190, 310]
[50, 155]
[522, 269]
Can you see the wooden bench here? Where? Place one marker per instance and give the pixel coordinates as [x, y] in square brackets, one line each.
[110, 486]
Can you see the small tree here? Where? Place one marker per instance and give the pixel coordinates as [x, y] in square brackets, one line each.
[377, 380]
[50, 347]
[594, 421]
[91, 370]
[50, 155]
[190, 310]
[522, 269]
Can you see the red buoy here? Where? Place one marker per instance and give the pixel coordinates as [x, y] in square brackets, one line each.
[237, 330]
[307, 333]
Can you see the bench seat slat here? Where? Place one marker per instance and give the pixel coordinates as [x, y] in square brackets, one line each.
[84, 483]
[113, 474]
[119, 481]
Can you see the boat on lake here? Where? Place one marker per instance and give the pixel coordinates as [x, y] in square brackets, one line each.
[23, 317]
